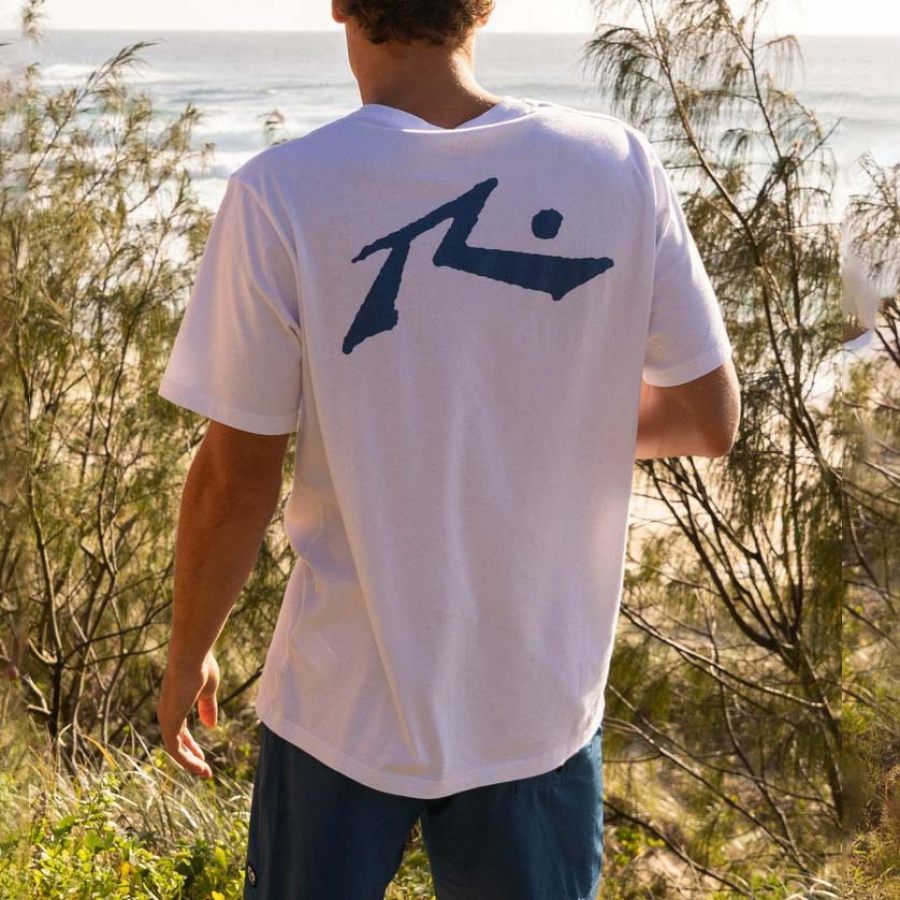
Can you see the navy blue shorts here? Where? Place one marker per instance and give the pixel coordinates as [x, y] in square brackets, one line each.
[316, 834]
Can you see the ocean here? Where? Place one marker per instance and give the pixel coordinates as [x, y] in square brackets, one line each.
[236, 78]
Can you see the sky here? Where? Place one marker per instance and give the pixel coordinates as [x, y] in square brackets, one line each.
[880, 17]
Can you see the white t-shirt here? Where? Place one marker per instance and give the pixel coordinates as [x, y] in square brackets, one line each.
[456, 322]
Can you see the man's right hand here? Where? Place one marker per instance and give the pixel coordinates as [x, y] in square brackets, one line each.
[183, 685]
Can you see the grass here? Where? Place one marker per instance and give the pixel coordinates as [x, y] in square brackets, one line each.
[143, 828]
[139, 828]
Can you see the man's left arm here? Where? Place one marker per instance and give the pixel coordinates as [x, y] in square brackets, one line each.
[229, 497]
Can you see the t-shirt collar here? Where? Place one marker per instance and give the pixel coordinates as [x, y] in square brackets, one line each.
[507, 108]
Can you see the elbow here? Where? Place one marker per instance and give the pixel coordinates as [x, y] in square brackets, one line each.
[718, 446]
[721, 440]
[721, 429]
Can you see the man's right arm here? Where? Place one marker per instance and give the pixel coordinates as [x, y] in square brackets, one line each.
[696, 418]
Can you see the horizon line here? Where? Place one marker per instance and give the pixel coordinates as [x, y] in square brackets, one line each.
[336, 31]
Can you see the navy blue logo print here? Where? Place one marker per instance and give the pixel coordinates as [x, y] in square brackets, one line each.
[554, 275]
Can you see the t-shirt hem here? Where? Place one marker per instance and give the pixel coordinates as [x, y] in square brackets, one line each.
[214, 408]
[692, 368]
[420, 788]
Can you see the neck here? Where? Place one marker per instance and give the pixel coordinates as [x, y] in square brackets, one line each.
[434, 83]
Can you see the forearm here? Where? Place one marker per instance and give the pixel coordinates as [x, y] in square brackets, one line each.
[665, 428]
[220, 531]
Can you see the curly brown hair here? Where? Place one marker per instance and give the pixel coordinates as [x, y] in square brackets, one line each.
[441, 22]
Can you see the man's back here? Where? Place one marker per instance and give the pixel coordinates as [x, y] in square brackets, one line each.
[461, 318]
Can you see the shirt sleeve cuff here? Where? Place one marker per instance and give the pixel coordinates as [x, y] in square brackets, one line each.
[214, 408]
[689, 369]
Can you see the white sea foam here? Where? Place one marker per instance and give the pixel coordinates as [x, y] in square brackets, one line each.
[66, 72]
[74, 73]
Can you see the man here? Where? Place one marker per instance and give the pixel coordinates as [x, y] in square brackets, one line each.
[476, 311]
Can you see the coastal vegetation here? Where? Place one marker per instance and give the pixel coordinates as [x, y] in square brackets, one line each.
[752, 712]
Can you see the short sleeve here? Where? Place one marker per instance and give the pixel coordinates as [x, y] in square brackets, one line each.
[687, 337]
[237, 354]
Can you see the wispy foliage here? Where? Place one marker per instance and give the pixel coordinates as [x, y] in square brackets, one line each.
[725, 693]
[101, 232]
[871, 529]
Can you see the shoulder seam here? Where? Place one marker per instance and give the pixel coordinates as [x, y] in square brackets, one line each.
[289, 249]
[642, 139]
[262, 206]
[595, 114]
